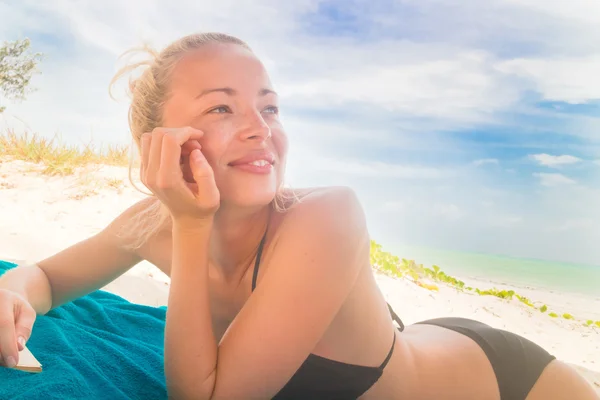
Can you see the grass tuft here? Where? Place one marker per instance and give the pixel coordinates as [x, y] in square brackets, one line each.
[57, 157]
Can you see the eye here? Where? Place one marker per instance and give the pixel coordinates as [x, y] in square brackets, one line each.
[271, 110]
[220, 110]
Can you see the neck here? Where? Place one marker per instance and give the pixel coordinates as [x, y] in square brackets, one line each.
[235, 238]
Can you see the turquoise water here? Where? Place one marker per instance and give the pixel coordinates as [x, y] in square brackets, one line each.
[564, 277]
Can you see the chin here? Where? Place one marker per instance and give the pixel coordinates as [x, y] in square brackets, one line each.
[248, 197]
[247, 190]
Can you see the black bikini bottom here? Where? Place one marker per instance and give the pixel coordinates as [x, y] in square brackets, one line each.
[517, 362]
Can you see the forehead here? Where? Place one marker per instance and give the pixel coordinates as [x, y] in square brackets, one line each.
[219, 65]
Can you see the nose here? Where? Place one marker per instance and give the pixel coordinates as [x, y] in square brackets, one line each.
[255, 127]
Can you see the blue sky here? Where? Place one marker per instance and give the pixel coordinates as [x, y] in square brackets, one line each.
[461, 124]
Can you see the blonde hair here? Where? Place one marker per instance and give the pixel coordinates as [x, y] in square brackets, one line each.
[148, 93]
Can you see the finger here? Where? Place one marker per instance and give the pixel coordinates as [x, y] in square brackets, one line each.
[200, 167]
[145, 144]
[8, 340]
[189, 146]
[172, 144]
[204, 186]
[154, 156]
[23, 325]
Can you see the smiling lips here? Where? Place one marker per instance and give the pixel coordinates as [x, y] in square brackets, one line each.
[260, 162]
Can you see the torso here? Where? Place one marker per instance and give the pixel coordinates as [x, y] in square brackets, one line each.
[360, 334]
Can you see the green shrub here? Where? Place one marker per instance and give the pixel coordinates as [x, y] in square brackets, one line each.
[403, 268]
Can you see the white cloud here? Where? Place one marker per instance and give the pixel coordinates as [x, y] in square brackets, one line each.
[461, 87]
[577, 11]
[448, 211]
[425, 209]
[573, 224]
[438, 87]
[555, 161]
[380, 170]
[396, 207]
[504, 221]
[572, 80]
[485, 161]
[429, 73]
[553, 179]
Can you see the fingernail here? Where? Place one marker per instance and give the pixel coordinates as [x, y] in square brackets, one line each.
[10, 362]
[21, 341]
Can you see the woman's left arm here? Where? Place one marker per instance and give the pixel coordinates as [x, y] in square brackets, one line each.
[190, 344]
[321, 246]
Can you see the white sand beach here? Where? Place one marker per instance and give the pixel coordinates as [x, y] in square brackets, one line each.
[41, 215]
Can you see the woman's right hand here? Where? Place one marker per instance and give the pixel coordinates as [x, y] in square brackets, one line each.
[16, 322]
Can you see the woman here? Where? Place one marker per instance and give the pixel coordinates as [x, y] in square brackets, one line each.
[272, 294]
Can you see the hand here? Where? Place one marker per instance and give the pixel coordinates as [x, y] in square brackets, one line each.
[187, 199]
[16, 322]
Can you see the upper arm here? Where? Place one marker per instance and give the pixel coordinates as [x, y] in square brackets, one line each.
[91, 263]
[321, 246]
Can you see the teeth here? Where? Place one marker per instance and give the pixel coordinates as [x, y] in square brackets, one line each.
[259, 163]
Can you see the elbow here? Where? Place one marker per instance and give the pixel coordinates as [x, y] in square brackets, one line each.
[185, 385]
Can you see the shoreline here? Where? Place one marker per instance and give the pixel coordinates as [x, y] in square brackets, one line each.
[526, 286]
[528, 273]
[584, 307]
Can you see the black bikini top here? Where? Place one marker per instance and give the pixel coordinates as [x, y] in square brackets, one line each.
[322, 378]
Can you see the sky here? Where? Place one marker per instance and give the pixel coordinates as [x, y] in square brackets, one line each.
[460, 124]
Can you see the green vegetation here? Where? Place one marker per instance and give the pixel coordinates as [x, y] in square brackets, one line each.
[392, 265]
[590, 322]
[57, 157]
[503, 294]
[17, 66]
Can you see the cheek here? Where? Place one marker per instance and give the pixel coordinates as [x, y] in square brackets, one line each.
[280, 141]
[214, 143]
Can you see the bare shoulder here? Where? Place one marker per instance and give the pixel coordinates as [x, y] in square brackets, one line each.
[341, 199]
[330, 210]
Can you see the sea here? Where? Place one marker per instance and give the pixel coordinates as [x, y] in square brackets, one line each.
[514, 271]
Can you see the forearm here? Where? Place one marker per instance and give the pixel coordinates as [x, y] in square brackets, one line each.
[190, 344]
[32, 283]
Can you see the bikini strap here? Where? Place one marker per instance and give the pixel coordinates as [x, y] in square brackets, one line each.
[258, 256]
[396, 318]
[387, 359]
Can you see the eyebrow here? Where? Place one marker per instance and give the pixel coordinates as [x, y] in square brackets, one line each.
[232, 92]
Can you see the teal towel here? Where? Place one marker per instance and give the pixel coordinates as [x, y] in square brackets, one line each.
[99, 346]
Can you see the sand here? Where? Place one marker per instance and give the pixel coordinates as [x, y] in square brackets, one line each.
[42, 215]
